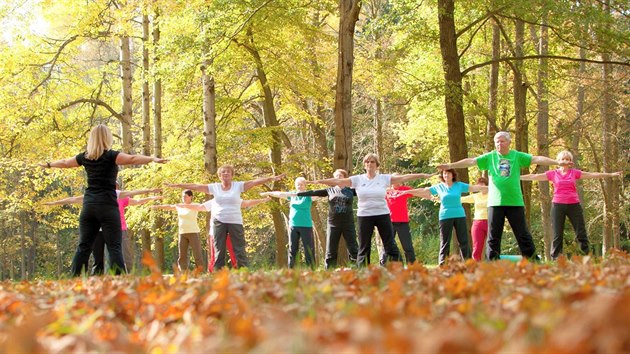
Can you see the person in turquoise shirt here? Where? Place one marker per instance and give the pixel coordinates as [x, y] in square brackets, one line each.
[452, 213]
[300, 224]
[505, 198]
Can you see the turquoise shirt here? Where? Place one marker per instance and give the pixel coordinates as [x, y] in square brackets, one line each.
[300, 212]
[450, 199]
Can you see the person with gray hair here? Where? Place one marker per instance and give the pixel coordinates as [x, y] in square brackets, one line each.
[300, 223]
[505, 198]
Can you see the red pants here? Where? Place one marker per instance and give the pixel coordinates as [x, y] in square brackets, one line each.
[211, 252]
[479, 234]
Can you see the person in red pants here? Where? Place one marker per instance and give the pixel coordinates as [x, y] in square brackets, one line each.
[479, 228]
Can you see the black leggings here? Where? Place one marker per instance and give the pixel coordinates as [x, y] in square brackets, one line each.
[94, 217]
[446, 231]
[559, 212]
[366, 229]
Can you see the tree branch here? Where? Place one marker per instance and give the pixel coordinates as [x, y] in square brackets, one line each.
[558, 57]
[94, 102]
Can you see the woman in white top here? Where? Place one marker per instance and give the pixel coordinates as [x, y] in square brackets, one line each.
[371, 189]
[227, 216]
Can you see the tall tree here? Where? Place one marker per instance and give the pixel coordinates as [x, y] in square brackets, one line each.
[453, 91]
[349, 11]
[542, 131]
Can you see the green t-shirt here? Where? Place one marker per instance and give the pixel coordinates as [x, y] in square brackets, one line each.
[504, 171]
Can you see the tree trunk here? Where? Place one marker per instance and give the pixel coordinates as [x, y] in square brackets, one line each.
[146, 94]
[127, 99]
[157, 128]
[209, 117]
[579, 113]
[378, 128]
[542, 135]
[520, 109]
[453, 92]
[348, 16]
[271, 121]
[491, 127]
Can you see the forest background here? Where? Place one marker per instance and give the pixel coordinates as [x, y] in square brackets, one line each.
[302, 87]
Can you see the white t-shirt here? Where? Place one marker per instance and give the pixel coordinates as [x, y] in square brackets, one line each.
[371, 194]
[227, 208]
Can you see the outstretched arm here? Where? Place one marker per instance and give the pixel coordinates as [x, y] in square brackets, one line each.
[124, 194]
[203, 188]
[253, 202]
[256, 182]
[468, 162]
[534, 177]
[341, 182]
[143, 200]
[192, 206]
[477, 188]
[70, 200]
[163, 207]
[592, 175]
[545, 161]
[419, 192]
[127, 159]
[409, 177]
[65, 163]
[279, 195]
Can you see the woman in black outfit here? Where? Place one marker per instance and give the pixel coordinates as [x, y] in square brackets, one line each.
[100, 205]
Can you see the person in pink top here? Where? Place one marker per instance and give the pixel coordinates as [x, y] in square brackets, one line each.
[399, 212]
[566, 201]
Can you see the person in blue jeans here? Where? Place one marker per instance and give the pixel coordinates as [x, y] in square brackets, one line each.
[452, 214]
[300, 224]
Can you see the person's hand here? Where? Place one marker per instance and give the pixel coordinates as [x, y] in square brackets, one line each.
[266, 194]
[160, 160]
[278, 177]
[44, 165]
[617, 174]
[170, 185]
[157, 197]
[446, 166]
[156, 190]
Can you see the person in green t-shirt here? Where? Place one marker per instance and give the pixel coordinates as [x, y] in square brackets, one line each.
[505, 198]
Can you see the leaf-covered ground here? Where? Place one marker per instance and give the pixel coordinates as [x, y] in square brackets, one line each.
[566, 307]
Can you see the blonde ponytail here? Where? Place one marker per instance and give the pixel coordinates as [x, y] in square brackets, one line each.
[100, 140]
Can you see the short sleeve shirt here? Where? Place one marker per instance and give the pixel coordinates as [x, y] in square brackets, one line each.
[504, 171]
[397, 203]
[187, 221]
[371, 194]
[228, 203]
[101, 178]
[564, 185]
[300, 212]
[450, 199]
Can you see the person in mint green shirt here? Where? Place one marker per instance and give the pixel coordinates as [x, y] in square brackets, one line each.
[505, 197]
[300, 224]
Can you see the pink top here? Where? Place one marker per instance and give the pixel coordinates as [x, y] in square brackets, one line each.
[122, 204]
[564, 187]
[398, 203]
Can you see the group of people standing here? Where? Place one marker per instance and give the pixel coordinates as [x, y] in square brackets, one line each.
[381, 200]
